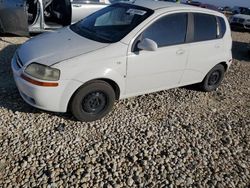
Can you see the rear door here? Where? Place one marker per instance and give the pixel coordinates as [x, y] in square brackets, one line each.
[206, 48]
[13, 17]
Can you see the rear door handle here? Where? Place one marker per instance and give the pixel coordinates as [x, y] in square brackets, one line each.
[217, 46]
[180, 52]
[77, 5]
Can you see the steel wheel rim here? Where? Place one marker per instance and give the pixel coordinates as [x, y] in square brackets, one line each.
[94, 102]
[214, 78]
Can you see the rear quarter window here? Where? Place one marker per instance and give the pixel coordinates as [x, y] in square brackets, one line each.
[205, 27]
[223, 26]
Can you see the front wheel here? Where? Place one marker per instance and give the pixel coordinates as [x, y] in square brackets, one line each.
[213, 79]
[92, 101]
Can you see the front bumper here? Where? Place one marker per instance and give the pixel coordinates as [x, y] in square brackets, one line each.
[236, 25]
[54, 99]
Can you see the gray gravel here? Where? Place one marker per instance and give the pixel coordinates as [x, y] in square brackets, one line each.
[179, 137]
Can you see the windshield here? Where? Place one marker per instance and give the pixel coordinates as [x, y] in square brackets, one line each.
[112, 23]
[245, 11]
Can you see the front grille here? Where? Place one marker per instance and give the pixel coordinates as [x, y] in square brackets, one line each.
[18, 61]
[237, 25]
[241, 20]
[238, 20]
[29, 99]
[235, 19]
[247, 26]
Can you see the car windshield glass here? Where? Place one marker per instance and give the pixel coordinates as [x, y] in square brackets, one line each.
[245, 11]
[112, 23]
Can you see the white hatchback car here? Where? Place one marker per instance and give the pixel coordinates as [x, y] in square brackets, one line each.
[123, 50]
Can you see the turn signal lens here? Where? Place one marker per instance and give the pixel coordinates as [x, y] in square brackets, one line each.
[38, 83]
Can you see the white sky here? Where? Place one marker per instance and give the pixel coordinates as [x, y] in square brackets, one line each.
[244, 3]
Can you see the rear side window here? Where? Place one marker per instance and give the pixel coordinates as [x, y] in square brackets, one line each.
[169, 30]
[223, 27]
[205, 27]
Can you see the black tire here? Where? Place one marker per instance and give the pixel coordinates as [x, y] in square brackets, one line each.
[92, 101]
[213, 79]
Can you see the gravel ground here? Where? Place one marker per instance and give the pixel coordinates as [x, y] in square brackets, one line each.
[179, 137]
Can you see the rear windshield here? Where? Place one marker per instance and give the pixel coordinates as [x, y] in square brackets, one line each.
[112, 23]
[245, 11]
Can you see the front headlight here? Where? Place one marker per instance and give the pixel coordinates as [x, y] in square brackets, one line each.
[42, 72]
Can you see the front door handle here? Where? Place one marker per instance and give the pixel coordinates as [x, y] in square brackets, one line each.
[180, 52]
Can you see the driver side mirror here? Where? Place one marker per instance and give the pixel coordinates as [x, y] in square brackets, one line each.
[147, 44]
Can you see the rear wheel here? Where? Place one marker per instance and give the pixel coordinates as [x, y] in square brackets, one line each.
[213, 79]
[92, 101]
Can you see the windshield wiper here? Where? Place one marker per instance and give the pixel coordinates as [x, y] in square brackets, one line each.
[93, 33]
[103, 37]
[86, 29]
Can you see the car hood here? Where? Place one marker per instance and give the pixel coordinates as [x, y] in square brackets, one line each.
[54, 47]
[242, 16]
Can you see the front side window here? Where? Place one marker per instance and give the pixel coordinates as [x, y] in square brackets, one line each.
[205, 27]
[169, 30]
[112, 23]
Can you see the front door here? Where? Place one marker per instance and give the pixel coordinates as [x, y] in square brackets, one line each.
[150, 71]
[13, 17]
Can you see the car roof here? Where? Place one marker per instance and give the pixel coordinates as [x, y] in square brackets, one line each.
[160, 5]
[154, 4]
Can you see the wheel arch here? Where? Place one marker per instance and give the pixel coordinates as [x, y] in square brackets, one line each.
[111, 82]
[225, 65]
[203, 86]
